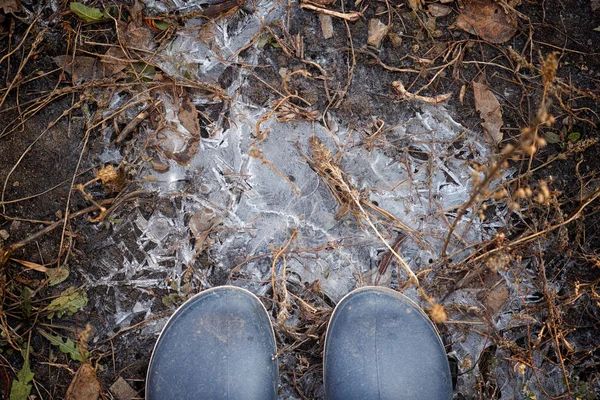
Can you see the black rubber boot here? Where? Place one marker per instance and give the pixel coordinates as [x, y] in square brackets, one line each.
[218, 345]
[381, 345]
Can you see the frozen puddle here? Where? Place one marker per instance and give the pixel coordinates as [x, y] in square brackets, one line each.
[244, 208]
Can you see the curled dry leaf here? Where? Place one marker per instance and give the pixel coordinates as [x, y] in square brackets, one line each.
[489, 108]
[488, 20]
[85, 385]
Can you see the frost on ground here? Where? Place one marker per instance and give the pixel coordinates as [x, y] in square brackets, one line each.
[237, 211]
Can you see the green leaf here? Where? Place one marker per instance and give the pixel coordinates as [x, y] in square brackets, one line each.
[552, 137]
[26, 294]
[574, 136]
[161, 25]
[57, 275]
[88, 14]
[69, 302]
[19, 391]
[597, 29]
[21, 388]
[67, 347]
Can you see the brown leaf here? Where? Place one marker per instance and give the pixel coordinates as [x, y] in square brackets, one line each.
[201, 225]
[490, 111]
[416, 5]
[81, 68]
[114, 61]
[139, 37]
[438, 10]
[136, 12]
[188, 116]
[377, 31]
[85, 385]
[488, 20]
[10, 6]
[496, 297]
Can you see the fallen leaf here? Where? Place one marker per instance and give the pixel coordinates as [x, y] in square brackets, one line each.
[81, 68]
[88, 14]
[490, 111]
[439, 10]
[85, 384]
[488, 20]
[188, 116]
[416, 5]
[139, 38]
[496, 297]
[201, 225]
[595, 4]
[10, 6]
[114, 61]
[377, 31]
[326, 26]
[136, 12]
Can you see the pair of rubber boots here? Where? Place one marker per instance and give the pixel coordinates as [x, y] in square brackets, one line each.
[220, 345]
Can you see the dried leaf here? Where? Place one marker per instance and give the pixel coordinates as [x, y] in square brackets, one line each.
[139, 37]
[10, 6]
[81, 68]
[377, 31]
[85, 384]
[488, 20]
[201, 225]
[136, 12]
[439, 10]
[114, 61]
[189, 118]
[496, 297]
[88, 14]
[490, 111]
[416, 5]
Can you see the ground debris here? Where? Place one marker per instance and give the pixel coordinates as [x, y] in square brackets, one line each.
[487, 19]
[85, 384]
[122, 391]
[489, 108]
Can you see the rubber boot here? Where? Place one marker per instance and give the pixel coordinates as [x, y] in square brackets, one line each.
[381, 345]
[218, 345]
